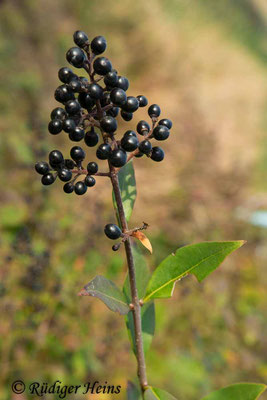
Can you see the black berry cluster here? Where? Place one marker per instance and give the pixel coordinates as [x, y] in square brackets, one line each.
[88, 114]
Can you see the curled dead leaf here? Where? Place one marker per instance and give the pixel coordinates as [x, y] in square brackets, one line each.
[143, 239]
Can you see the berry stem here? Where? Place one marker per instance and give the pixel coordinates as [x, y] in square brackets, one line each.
[136, 309]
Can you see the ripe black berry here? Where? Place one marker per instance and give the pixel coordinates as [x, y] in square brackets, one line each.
[154, 110]
[145, 146]
[65, 175]
[69, 125]
[129, 143]
[116, 247]
[166, 122]
[111, 78]
[76, 57]
[42, 167]
[142, 100]
[105, 99]
[161, 132]
[69, 163]
[157, 154]
[102, 65]
[103, 151]
[77, 134]
[75, 85]
[80, 38]
[92, 167]
[55, 126]
[91, 138]
[63, 93]
[80, 188]
[112, 231]
[127, 116]
[130, 133]
[48, 179]
[108, 124]
[123, 83]
[68, 187]
[98, 45]
[58, 113]
[131, 105]
[95, 91]
[114, 111]
[72, 107]
[89, 180]
[118, 97]
[65, 74]
[77, 153]
[56, 157]
[143, 127]
[118, 158]
[86, 101]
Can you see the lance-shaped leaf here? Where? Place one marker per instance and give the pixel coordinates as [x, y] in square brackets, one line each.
[133, 392]
[239, 391]
[199, 259]
[108, 292]
[148, 310]
[128, 189]
[152, 393]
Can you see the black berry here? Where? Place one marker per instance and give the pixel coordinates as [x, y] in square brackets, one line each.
[48, 179]
[103, 151]
[131, 105]
[118, 158]
[111, 78]
[76, 57]
[118, 97]
[55, 126]
[143, 127]
[80, 38]
[69, 125]
[130, 133]
[129, 143]
[63, 93]
[98, 45]
[91, 138]
[77, 153]
[65, 74]
[102, 65]
[142, 100]
[92, 168]
[145, 146]
[123, 83]
[69, 163]
[95, 91]
[127, 116]
[58, 113]
[77, 134]
[72, 107]
[86, 101]
[161, 132]
[166, 122]
[114, 111]
[56, 157]
[68, 187]
[108, 124]
[157, 154]
[65, 175]
[154, 110]
[112, 231]
[75, 85]
[105, 100]
[80, 188]
[42, 167]
[89, 180]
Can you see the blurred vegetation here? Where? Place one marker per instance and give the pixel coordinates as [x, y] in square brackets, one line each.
[204, 62]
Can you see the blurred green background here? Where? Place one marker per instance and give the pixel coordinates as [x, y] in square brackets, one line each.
[205, 63]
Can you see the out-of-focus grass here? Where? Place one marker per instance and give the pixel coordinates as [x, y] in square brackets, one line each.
[204, 62]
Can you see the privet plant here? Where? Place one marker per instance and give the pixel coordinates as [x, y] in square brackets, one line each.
[91, 106]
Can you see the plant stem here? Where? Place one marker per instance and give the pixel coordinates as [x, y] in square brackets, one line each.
[132, 279]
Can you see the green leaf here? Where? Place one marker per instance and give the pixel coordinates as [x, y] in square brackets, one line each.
[199, 259]
[128, 189]
[147, 310]
[239, 391]
[152, 393]
[108, 292]
[133, 392]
